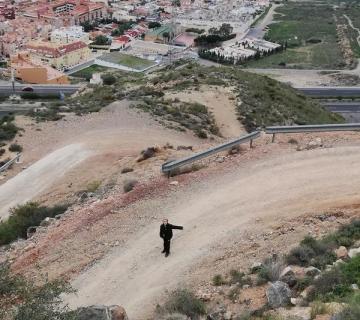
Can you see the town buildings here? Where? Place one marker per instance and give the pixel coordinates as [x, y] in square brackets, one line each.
[37, 73]
[69, 34]
[57, 55]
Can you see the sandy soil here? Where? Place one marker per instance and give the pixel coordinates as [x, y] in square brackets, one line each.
[282, 186]
[91, 147]
[40, 176]
[221, 102]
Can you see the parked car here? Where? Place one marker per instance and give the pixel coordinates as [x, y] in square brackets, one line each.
[28, 89]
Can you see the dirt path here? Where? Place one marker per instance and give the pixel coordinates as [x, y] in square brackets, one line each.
[219, 103]
[136, 274]
[354, 28]
[42, 174]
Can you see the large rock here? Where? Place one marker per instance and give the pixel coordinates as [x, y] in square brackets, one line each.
[354, 252]
[312, 271]
[341, 252]
[102, 313]
[278, 294]
[256, 266]
[288, 276]
[313, 144]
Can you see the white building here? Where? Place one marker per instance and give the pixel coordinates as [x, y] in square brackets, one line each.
[69, 34]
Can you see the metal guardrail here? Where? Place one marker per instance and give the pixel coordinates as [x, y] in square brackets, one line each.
[171, 165]
[10, 162]
[312, 128]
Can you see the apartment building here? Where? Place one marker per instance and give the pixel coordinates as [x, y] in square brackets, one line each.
[69, 34]
[32, 72]
[58, 55]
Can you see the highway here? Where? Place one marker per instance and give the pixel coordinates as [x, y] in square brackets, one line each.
[40, 89]
[319, 92]
[343, 107]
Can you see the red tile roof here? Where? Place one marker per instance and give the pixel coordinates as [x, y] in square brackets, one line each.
[59, 51]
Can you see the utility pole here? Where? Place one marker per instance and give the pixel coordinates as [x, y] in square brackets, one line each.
[172, 31]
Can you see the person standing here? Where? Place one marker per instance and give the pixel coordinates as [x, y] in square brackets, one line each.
[166, 234]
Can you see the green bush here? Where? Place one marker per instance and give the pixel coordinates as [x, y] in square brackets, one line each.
[346, 235]
[24, 216]
[318, 308]
[108, 79]
[238, 277]
[351, 311]
[20, 299]
[314, 252]
[201, 134]
[270, 270]
[93, 186]
[234, 293]
[351, 270]
[8, 129]
[330, 285]
[218, 280]
[129, 185]
[184, 302]
[126, 170]
[14, 147]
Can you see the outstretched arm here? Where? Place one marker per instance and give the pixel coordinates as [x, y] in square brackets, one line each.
[177, 227]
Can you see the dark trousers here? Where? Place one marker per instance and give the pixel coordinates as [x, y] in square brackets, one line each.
[167, 245]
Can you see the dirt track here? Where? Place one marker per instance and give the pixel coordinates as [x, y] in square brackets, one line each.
[136, 275]
[40, 176]
[52, 149]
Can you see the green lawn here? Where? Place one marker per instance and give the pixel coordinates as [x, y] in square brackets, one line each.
[127, 60]
[309, 30]
[89, 71]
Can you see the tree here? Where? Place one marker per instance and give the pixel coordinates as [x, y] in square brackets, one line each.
[20, 299]
[108, 79]
[154, 24]
[166, 35]
[225, 30]
[102, 40]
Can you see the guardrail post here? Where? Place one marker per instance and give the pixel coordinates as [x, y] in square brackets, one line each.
[18, 159]
[273, 138]
[251, 143]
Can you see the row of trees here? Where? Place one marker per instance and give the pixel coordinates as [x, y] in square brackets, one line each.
[215, 36]
[230, 60]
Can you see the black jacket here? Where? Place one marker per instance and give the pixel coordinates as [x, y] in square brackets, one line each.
[166, 231]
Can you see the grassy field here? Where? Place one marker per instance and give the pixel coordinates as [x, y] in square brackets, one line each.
[89, 71]
[310, 33]
[128, 60]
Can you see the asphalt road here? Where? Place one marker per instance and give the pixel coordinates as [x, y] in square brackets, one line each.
[7, 89]
[343, 107]
[318, 92]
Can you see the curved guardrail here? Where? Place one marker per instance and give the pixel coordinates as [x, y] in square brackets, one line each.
[167, 167]
[312, 128]
[10, 162]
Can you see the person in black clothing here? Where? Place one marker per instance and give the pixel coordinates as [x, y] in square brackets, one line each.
[166, 234]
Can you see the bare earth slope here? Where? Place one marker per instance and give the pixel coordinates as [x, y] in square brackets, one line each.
[53, 151]
[40, 176]
[212, 211]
